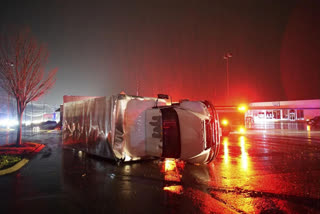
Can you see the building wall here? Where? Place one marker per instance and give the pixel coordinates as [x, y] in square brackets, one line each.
[287, 104]
[298, 110]
[311, 113]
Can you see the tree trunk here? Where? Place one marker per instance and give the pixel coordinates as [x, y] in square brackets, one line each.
[20, 109]
[19, 131]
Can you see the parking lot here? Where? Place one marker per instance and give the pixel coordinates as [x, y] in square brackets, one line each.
[265, 171]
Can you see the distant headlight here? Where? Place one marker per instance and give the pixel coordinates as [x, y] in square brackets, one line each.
[242, 130]
[242, 108]
[224, 122]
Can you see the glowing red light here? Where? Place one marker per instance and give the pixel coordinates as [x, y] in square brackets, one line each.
[169, 165]
[174, 189]
[170, 170]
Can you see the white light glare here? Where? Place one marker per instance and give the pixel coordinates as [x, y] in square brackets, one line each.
[8, 123]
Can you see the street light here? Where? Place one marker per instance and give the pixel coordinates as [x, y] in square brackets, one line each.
[226, 57]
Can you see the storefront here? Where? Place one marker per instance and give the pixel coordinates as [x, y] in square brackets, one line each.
[298, 110]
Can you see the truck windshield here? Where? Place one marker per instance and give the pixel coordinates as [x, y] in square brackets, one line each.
[171, 133]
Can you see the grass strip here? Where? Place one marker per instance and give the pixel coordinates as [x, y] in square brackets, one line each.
[6, 161]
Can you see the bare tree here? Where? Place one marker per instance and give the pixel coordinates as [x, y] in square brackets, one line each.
[22, 75]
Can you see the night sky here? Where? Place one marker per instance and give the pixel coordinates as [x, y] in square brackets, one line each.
[177, 47]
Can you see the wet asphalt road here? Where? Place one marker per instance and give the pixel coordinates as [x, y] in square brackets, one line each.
[266, 171]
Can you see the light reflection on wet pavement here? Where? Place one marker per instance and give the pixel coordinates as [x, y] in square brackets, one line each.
[266, 171]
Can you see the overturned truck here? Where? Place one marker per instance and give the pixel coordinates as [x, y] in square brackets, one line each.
[127, 128]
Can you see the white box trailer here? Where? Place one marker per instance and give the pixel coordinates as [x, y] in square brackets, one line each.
[125, 128]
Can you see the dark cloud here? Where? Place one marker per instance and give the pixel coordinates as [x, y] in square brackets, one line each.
[174, 47]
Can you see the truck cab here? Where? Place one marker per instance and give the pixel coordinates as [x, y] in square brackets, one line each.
[186, 130]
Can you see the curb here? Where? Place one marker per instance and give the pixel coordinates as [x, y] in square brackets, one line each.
[14, 168]
[21, 163]
[38, 149]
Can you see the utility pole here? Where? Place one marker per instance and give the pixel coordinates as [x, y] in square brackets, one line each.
[31, 113]
[226, 57]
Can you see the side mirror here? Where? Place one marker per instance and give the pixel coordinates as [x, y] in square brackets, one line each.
[163, 96]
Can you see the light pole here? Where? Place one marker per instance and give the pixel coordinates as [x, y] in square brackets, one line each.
[137, 84]
[226, 57]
